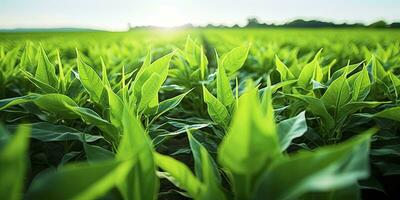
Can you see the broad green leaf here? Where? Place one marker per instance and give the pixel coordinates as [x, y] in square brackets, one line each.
[48, 132]
[284, 71]
[361, 85]
[377, 70]
[13, 164]
[91, 81]
[224, 91]
[181, 176]
[78, 181]
[290, 129]
[169, 104]
[116, 107]
[196, 148]
[317, 107]
[242, 150]
[325, 169]
[235, 58]
[141, 181]
[45, 71]
[149, 91]
[58, 104]
[96, 153]
[353, 107]
[192, 52]
[389, 113]
[91, 117]
[312, 71]
[206, 170]
[203, 64]
[337, 94]
[216, 109]
[5, 103]
[159, 67]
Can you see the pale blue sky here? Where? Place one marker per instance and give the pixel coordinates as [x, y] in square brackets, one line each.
[115, 14]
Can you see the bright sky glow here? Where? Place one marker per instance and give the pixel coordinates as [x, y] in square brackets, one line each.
[116, 14]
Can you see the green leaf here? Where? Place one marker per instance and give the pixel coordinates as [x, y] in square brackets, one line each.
[206, 170]
[149, 91]
[45, 71]
[91, 81]
[116, 107]
[48, 132]
[284, 71]
[312, 71]
[5, 103]
[159, 67]
[337, 94]
[234, 59]
[181, 176]
[13, 164]
[141, 181]
[57, 103]
[169, 104]
[318, 108]
[224, 91]
[242, 150]
[216, 109]
[196, 148]
[389, 113]
[203, 64]
[290, 129]
[78, 181]
[325, 169]
[361, 85]
[96, 153]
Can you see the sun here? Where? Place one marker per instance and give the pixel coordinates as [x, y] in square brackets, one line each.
[167, 17]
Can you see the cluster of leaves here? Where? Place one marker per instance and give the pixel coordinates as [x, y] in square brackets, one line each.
[257, 122]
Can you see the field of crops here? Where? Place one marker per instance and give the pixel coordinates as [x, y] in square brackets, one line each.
[202, 114]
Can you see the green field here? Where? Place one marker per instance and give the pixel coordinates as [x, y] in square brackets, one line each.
[200, 113]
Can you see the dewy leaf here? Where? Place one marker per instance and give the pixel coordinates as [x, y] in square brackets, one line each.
[45, 71]
[13, 163]
[224, 91]
[312, 71]
[141, 181]
[290, 129]
[91, 81]
[78, 181]
[337, 94]
[216, 109]
[234, 59]
[181, 174]
[242, 150]
[325, 169]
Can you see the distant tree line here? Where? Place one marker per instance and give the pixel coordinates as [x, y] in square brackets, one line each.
[298, 23]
